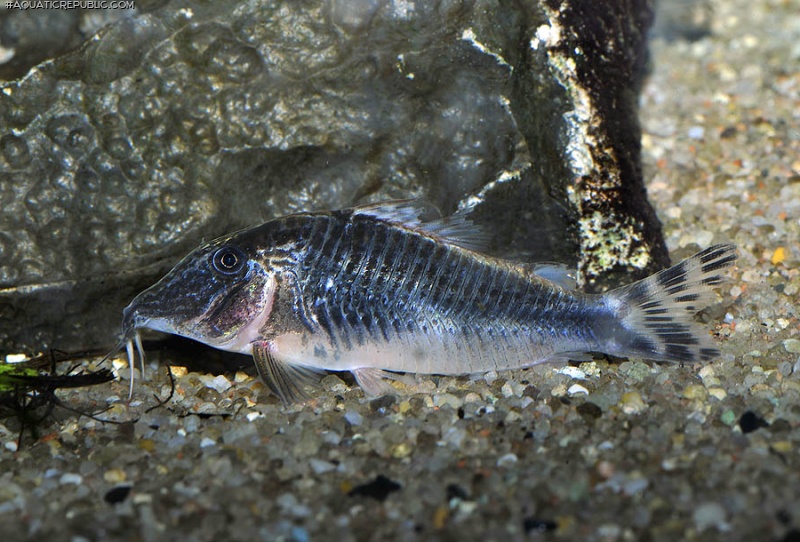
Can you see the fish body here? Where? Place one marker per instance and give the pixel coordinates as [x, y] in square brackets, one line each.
[374, 289]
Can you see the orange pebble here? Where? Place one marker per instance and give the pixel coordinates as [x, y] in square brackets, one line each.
[779, 255]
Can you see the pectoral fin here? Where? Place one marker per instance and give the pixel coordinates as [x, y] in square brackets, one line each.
[285, 380]
[373, 382]
[566, 357]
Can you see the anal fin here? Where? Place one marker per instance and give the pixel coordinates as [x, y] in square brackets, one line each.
[285, 380]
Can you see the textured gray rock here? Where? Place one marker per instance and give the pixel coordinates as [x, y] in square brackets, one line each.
[30, 36]
[194, 119]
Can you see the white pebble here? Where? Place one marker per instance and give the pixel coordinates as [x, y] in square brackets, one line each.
[717, 393]
[609, 531]
[206, 442]
[669, 464]
[218, 383]
[575, 389]
[443, 399]
[507, 390]
[454, 436]
[70, 478]
[320, 466]
[142, 498]
[792, 346]
[752, 275]
[331, 437]
[706, 372]
[251, 416]
[572, 372]
[353, 418]
[635, 485]
[558, 391]
[729, 316]
[696, 132]
[710, 514]
[16, 358]
[507, 460]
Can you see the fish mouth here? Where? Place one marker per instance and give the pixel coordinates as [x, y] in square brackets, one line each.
[136, 339]
[131, 340]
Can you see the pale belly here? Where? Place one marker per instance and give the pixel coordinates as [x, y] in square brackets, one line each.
[422, 353]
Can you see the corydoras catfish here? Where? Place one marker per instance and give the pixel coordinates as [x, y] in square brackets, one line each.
[374, 289]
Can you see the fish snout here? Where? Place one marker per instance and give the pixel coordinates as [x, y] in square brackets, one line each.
[129, 320]
[136, 315]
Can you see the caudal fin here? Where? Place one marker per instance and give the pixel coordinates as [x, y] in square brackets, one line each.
[654, 315]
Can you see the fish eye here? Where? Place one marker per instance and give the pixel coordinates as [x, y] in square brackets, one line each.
[228, 260]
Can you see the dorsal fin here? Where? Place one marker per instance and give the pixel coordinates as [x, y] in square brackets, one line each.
[456, 229]
[402, 211]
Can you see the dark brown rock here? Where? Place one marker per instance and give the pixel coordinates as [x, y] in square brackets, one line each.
[194, 119]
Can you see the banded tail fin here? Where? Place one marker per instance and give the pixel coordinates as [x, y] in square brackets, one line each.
[654, 315]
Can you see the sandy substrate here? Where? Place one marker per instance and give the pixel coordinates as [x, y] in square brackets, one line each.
[603, 451]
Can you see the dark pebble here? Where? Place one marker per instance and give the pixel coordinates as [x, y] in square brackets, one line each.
[455, 491]
[378, 489]
[380, 404]
[117, 494]
[538, 525]
[783, 516]
[589, 410]
[750, 421]
[532, 392]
